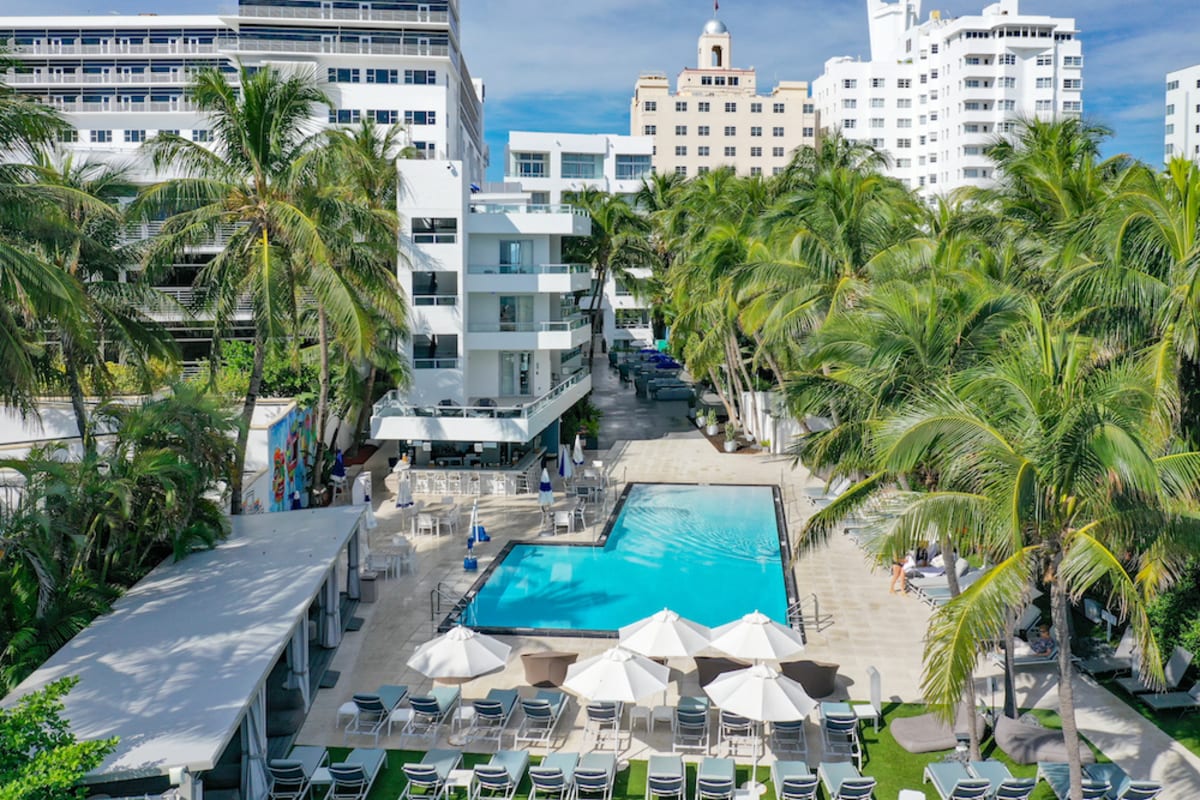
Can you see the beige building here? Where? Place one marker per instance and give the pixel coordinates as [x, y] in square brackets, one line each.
[717, 118]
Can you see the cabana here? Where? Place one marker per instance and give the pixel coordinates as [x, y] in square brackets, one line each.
[179, 669]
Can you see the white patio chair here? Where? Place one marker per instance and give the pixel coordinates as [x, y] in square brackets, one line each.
[426, 523]
[564, 520]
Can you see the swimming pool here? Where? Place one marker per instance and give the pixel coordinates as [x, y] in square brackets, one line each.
[711, 553]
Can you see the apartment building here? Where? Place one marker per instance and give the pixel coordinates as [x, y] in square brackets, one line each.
[716, 117]
[1183, 114]
[122, 79]
[936, 92]
[498, 333]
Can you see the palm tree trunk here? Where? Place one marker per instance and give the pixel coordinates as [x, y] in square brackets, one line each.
[772, 364]
[364, 413]
[1059, 611]
[75, 390]
[712, 376]
[237, 476]
[950, 557]
[322, 402]
[735, 387]
[597, 312]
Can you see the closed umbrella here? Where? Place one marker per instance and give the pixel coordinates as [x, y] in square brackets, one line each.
[665, 634]
[761, 694]
[459, 655]
[565, 469]
[616, 676]
[577, 453]
[757, 637]
[545, 490]
[404, 496]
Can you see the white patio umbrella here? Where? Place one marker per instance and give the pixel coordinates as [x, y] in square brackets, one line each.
[760, 693]
[757, 637]
[577, 453]
[665, 634]
[545, 490]
[459, 655]
[565, 469]
[616, 676]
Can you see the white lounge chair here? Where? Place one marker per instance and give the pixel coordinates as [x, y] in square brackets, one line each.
[429, 713]
[793, 781]
[843, 781]
[291, 777]
[665, 778]
[500, 777]
[492, 716]
[1004, 785]
[542, 715]
[952, 781]
[603, 724]
[353, 778]
[596, 776]
[374, 710]
[554, 777]
[429, 779]
[715, 779]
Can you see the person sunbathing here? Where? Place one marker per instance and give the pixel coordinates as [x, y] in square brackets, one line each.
[1042, 644]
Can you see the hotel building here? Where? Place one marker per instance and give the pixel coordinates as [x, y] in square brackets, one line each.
[716, 117]
[1183, 114]
[935, 93]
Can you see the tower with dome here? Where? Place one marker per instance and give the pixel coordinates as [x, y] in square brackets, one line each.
[716, 116]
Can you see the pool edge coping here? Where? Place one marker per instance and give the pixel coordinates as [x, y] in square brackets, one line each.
[454, 617]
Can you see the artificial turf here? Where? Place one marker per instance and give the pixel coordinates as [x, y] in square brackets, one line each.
[1182, 726]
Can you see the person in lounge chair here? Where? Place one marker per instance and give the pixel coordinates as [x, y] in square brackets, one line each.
[1042, 644]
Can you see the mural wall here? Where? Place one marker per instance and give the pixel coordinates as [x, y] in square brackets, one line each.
[291, 441]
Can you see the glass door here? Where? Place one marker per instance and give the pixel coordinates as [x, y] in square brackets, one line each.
[516, 313]
[515, 256]
[516, 374]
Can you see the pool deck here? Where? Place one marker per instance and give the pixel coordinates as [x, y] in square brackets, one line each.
[861, 624]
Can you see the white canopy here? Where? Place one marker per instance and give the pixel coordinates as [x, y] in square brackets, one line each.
[182, 657]
[460, 654]
[762, 694]
[665, 634]
[759, 638]
[616, 676]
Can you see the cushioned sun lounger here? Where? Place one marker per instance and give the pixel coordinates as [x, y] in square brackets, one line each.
[793, 781]
[715, 779]
[1058, 777]
[595, 776]
[542, 715]
[428, 777]
[1121, 787]
[843, 781]
[1120, 660]
[953, 782]
[353, 778]
[1173, 672]
[1004, 785]
[291, 777]
[432, 711]
[373, 710]
[1174, 701]
[500, 777]
[554, 777]
[665, 778]
[492, 715]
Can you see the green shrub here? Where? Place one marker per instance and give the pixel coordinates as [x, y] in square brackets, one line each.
[1175, 615]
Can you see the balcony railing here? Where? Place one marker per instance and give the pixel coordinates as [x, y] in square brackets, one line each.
[362, 12]
[435, 299]
[529, 269]
[115, 48]
[526, 208]
[393, 406]
[437, 363]
[186, 298]
[104, 79]
[247, 44]
[146, 230]
[559, 326]
[124, 108]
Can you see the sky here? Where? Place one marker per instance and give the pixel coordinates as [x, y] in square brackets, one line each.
[570, 65]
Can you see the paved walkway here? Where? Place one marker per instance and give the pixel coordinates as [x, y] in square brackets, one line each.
[864, 625]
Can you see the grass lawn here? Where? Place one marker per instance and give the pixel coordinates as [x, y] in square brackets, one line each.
[893, 767]
[1182, 727]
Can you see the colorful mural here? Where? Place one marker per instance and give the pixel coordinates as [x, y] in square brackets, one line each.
[292, 441]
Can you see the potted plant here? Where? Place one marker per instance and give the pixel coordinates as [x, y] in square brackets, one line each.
[701, 420]
[711, 426]
[730, 438]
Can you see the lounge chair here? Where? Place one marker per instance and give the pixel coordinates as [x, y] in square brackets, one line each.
[1026, 743]
[793, 781]
[353, 778]
[1004, 785]
[429, 778]
[1121, 786]
[734, 732]
[429, 713]
[940, 595]
[554, 777]
[603, 723]
[372, 711]
[492, 716]
[500, 777]
[953, 782]
[542, 715]
[1025, 656]
[1174, 701]
[839, 731]
[690, 730]
[843, 781]
[665, 778]
[1120, 660]
[596, 776]
[1173, 672]
[291, 777]
[715, 779]
[1058, 777]
[788, 737]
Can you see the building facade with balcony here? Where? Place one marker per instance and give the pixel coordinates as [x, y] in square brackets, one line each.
[1182, 125]
[122, 79]
[497, 330]
[716, 117]
[936, 93]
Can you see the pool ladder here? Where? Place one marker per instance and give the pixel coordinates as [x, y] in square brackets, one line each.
[445, 594]
[799, 619]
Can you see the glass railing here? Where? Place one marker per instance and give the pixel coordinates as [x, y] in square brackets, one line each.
[435, 300]
[556, 326]
[526, 208]
[392, 405]
[529, 269]
[437, 363]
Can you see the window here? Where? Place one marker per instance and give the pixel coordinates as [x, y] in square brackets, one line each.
[878, 83]
[755, 171]
[755, 130]
[904, 83]
[702, 130]
[971, 61]
[933, 48]
[650, 105]
[419, 118]
[777, 152]
[530, 165]
[426, 149]
[633, 167]
[849, 102]
[1072, 83]
[439, 351]
[730, 152]
[682, 171]
[384, 116]
[847, 124]
[435, 230]
[1045, 83]
[343, 75]
[756, 152]
[808, 108]
[730, 130]
[702, 150]
[1008, 105]
[134, 137]
[1072, 61]
[706, 80]
[412, 77]
[904, 102]
[201, 135]
[731, 108]
[1008, 83]
[903, 144]
[849, 83]
[972, 83]
[776, 170]
[778, 108]
[681, 105]
[649, 130]
[681, 130]
[777, 132]
[680, 150]
[1076, 106]
[1044, 105]
[924, 78]
[346, 116]
[876, 122]
[68, 135]
[933, 74]
[1007, 127]
[903, 163]
[877, 102]
[581, 165]
[878, 143]
[1170, 109]
[704, 107]
[809, 133]
[1045, 61]
[904, 122]
[756, 108]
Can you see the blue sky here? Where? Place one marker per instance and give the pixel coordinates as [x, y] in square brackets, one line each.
[570, 65]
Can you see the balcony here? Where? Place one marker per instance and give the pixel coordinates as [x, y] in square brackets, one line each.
[78, 107]
[363, 13]
[247, 44]
[394, 418]
[180, 305]
[542, 278]
[116, 49]
[559, 335]
[529, 218]
[42, 78]
[138, 232]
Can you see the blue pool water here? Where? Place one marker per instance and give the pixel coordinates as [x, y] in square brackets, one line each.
[711, 553]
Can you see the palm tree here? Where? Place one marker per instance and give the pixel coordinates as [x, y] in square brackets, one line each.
[253, 180]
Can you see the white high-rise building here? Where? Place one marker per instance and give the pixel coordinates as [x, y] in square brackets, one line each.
[936, 93]
[716, 117]
[1183, 114]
